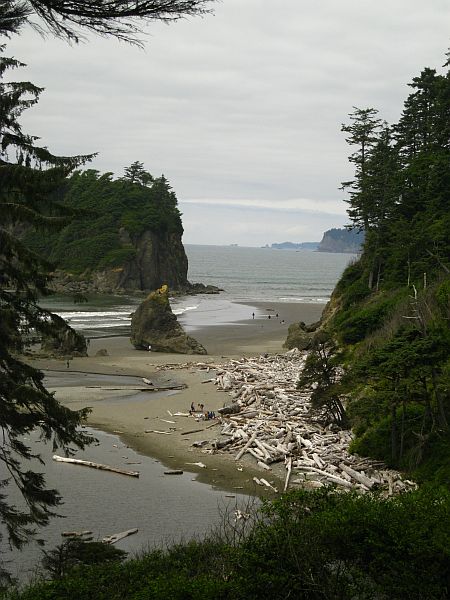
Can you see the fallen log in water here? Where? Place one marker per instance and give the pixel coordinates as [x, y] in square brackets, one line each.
[267, 484]
[93, 465]
[229, 410]
[112, 539]
[288, 474]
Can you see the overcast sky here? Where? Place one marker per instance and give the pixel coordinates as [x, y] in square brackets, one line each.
[241, 109]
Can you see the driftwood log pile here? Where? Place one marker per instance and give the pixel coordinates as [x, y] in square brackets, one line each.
[269, 421]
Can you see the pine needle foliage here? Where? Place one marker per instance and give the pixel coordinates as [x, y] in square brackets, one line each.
[29, 175]
[121, 19]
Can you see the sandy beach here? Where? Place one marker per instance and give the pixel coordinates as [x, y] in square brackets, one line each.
[111, 385]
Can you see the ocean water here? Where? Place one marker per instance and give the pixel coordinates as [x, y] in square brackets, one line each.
[245, 275]
[266, 274]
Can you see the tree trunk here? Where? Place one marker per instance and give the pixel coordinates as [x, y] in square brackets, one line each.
[441, 412]
[394, 432]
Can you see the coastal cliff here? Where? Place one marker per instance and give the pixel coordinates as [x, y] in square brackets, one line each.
[157, 259]
[341, 240]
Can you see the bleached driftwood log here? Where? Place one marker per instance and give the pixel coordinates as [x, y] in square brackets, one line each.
[115, 537]
[369, 483]
[288, 474]
[76, 534]
[247, 445]
[93, 465]
[158, 431]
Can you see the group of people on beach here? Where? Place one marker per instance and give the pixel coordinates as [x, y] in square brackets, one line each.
[269, 317]
[201, 413]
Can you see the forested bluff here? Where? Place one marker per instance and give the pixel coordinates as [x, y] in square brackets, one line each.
[382, 352]
[124, 235]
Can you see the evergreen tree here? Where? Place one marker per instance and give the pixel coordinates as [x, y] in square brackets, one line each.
[363, 133]
[29, 174]
[321, 374]
[136, 173]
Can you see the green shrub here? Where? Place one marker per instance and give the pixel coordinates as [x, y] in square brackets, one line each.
[306, 545]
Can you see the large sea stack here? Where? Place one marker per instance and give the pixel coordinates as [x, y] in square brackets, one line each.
[154, 325]
[126, 237]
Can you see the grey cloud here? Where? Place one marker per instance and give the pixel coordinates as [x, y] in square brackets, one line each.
[247, 103]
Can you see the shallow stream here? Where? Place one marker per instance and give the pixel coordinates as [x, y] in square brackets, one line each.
[165, 508]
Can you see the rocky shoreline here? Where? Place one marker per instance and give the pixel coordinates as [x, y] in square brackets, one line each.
[107, 282]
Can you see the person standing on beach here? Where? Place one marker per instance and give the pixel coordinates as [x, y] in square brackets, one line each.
[253, 315]
[67, 364]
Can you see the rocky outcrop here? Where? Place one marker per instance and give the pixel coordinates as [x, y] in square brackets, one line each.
[197, 288]
[300, 336]
[154, 325]
[62, 340]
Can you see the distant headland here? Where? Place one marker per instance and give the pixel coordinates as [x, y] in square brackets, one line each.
[333, 240]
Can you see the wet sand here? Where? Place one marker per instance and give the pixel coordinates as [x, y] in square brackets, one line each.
[103, 383]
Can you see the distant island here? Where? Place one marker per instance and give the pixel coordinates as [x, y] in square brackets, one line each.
[342, 240]
[293, 246]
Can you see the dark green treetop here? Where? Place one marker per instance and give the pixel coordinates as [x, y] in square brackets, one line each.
[136, 173]
[363, 133]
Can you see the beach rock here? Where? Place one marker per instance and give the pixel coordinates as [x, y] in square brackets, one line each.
[298, 337]
[199, 288]
[154, 325]
[229, 410]
[62, 340]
